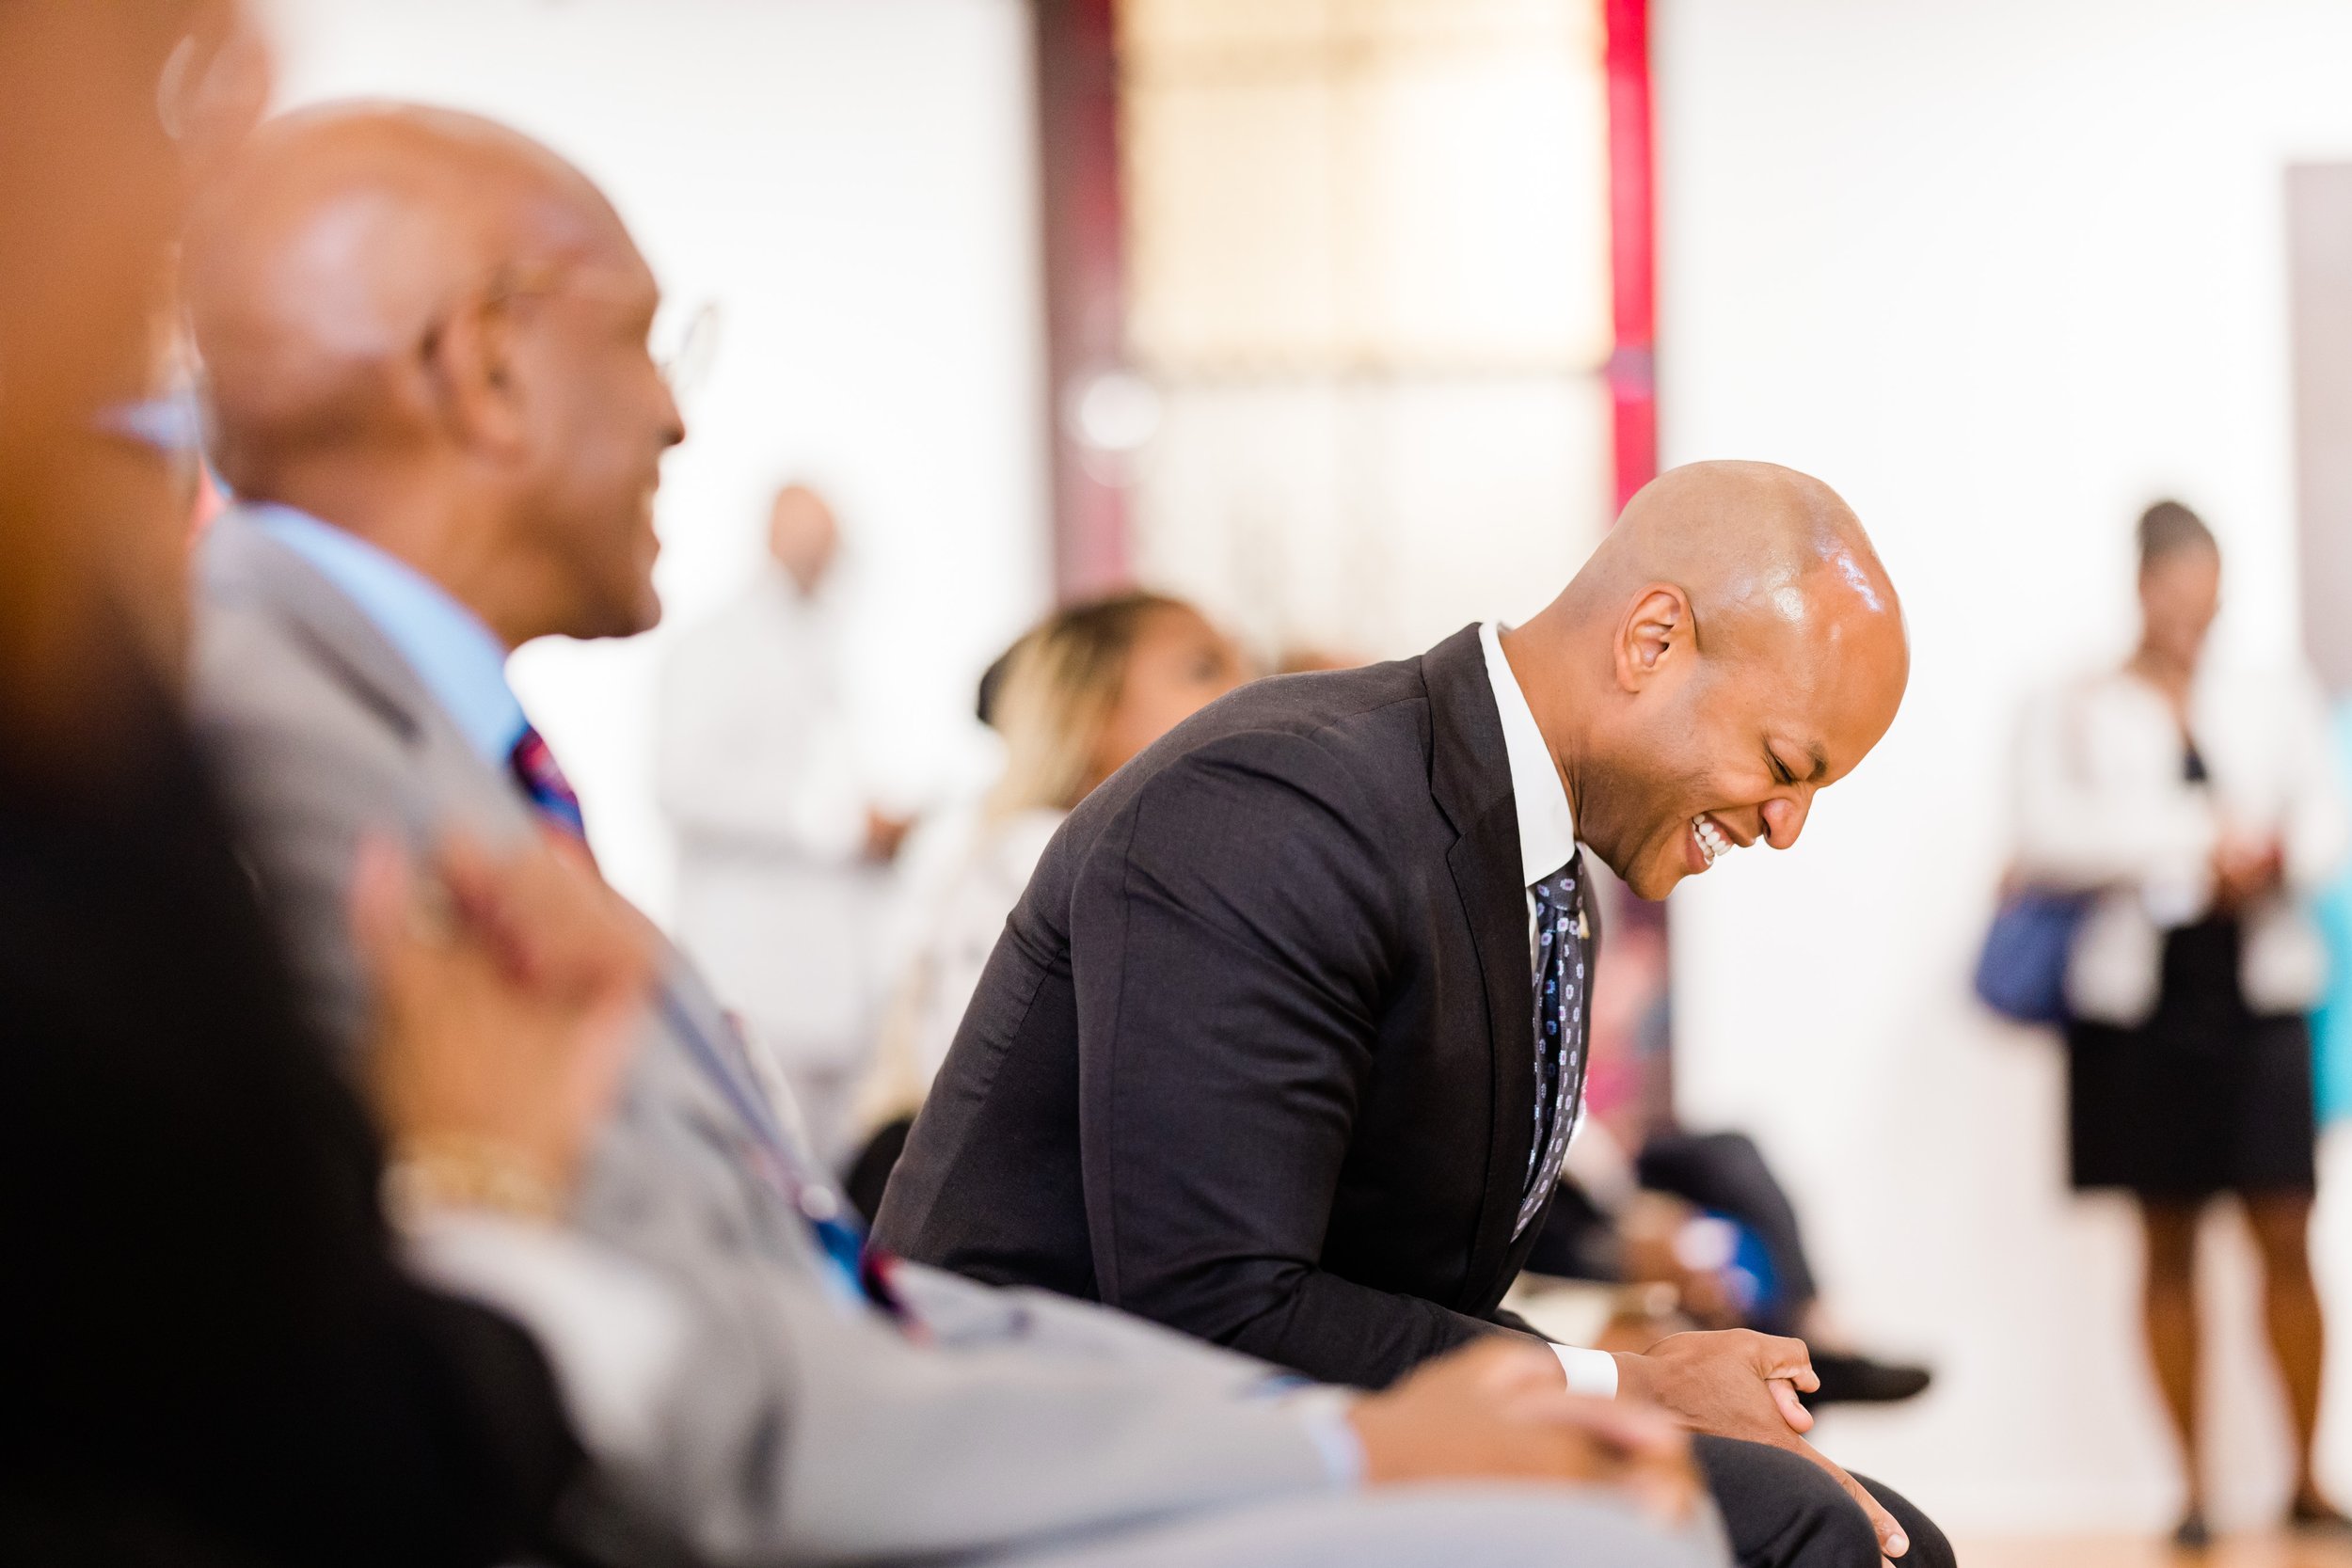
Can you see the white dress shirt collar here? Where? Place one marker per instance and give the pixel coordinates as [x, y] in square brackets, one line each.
[1546, 841]
[1547, 820]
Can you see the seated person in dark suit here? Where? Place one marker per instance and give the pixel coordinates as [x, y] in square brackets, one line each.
[1283, 1044]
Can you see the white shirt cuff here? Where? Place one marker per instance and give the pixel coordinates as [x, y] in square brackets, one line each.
[1589, 1371]
[612, 1333]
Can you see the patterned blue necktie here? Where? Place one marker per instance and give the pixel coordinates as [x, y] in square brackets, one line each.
[1563, 1007]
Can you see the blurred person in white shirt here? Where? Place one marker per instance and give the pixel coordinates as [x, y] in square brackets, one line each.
[784, 855]
[2197, 813]
[1081, 693]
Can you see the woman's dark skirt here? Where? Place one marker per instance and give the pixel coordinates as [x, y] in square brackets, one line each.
[2205, 1096]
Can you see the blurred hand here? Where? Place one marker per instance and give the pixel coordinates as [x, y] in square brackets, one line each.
[1651, 1232]
[1740, 1383]
[507, 990]
[884, 833]
[1496, 1411]
[2246, 869]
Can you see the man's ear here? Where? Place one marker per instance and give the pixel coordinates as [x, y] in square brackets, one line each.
[1656, 631]
[470, 363]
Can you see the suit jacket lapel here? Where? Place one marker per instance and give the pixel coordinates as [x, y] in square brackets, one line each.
[243, 565]
[1471, 779]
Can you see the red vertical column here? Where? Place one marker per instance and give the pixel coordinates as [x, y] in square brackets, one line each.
[1084, 216]
[1633, 381]
[1632, 249]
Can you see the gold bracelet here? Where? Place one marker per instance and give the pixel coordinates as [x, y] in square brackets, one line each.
[466, 1173]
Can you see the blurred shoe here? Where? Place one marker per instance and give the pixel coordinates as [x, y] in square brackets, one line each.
[2192, 1535]
[1848, 1379]
[2316, 1516]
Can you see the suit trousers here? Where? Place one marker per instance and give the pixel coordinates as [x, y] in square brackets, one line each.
[1783, 1511]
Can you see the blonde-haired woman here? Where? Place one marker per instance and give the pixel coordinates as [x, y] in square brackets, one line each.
[1084, 690]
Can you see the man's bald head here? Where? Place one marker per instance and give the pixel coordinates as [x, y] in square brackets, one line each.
[1733, 645]
[383, 298]
[346, 235]
[1757, 546]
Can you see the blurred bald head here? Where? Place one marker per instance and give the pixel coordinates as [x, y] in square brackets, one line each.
[430, 331]
[1733, 646]
[803, 536]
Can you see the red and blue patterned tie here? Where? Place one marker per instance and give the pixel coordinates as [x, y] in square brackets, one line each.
[535, 769]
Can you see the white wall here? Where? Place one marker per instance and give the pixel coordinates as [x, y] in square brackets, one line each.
[852, 181]
[2001, 272]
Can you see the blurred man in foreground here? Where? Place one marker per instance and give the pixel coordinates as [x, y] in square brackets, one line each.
[427, 340]
[1284, 1044]
[783, 852]
[216, 1358]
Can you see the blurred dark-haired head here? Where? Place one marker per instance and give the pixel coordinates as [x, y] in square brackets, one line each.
[2167, 528]
[2180, 583]
[1094, 684]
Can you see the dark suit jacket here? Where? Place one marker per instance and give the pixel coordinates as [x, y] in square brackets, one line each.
[209, 1340]
[1253, 1056]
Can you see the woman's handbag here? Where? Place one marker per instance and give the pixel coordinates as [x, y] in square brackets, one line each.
[2021, 973]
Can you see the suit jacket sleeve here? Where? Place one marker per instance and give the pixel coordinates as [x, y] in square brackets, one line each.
[768, 1422]
[1232, 938]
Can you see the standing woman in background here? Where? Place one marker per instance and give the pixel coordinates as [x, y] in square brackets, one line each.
[1081, 693]
[2200, 814]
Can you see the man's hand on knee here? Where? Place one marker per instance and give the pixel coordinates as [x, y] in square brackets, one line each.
[1496, 1411]
[1740, 1383]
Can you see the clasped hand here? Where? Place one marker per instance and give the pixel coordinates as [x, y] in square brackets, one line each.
[507, 987]
[1495, 1410]
[2246, 869]
[1736, 1383]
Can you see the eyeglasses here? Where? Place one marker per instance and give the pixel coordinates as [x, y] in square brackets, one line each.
[685, 346]
[684, 341]
[169, 422]
[214, 85]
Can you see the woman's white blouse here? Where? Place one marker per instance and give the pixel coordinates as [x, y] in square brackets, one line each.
[2104, 806]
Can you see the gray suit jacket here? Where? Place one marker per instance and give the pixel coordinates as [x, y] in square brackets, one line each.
[800, 1430]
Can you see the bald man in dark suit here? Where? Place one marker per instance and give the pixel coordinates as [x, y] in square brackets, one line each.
[1284, 1043]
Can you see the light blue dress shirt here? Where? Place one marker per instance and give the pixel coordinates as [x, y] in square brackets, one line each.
[461, 662]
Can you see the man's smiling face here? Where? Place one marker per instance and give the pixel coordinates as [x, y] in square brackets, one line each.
[1736, 728]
